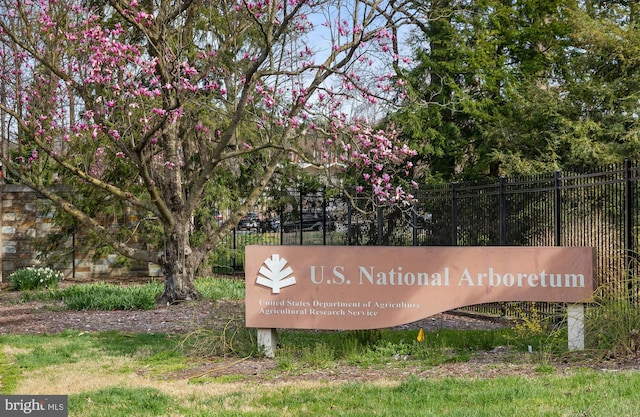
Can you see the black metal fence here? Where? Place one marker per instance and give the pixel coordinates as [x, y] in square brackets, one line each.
[566, 209]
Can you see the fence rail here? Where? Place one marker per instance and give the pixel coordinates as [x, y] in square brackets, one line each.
[598, 209]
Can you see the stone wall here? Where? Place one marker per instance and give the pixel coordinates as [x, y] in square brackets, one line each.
[26, 217]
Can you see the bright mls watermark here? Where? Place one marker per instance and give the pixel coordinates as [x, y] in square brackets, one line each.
[34, 405]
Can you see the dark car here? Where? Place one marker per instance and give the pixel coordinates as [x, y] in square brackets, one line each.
[270, 225]
[309, 221]
[249, 222]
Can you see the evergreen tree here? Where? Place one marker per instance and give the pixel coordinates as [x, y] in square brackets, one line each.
[509, 88]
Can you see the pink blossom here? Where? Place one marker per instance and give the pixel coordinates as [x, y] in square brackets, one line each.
[135, 96]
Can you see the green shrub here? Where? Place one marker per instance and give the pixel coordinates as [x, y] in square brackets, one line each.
[613, 326]
[612, 320]
[223, 334]
[102, 296]
[34, 278]
[215, 288]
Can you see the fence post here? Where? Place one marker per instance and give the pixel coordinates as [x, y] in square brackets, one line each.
[629, 246]
[300, 208]
[281, 217]
[557, 208]
[454, 215]
[503, 211]
[380, 225]
[349, 221]
[414, 224]
[324, 215]
[234, 264]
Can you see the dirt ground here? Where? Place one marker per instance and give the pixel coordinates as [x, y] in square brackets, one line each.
[37, 317]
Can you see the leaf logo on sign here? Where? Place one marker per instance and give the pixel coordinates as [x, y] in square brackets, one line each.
[275, 274]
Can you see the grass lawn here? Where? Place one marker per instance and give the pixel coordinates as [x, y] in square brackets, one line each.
[112, 374]
[385, 373]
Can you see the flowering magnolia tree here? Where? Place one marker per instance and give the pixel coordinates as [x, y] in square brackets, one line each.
[167, 108]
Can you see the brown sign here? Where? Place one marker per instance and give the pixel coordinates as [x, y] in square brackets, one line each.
[357, 287]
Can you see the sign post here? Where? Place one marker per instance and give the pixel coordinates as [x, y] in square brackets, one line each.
[358, 287]
[267, 340]
[575, 326]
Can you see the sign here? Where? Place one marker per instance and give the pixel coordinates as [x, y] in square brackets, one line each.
[368, 287]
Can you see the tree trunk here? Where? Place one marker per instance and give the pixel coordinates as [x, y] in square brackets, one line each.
[179, 273]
